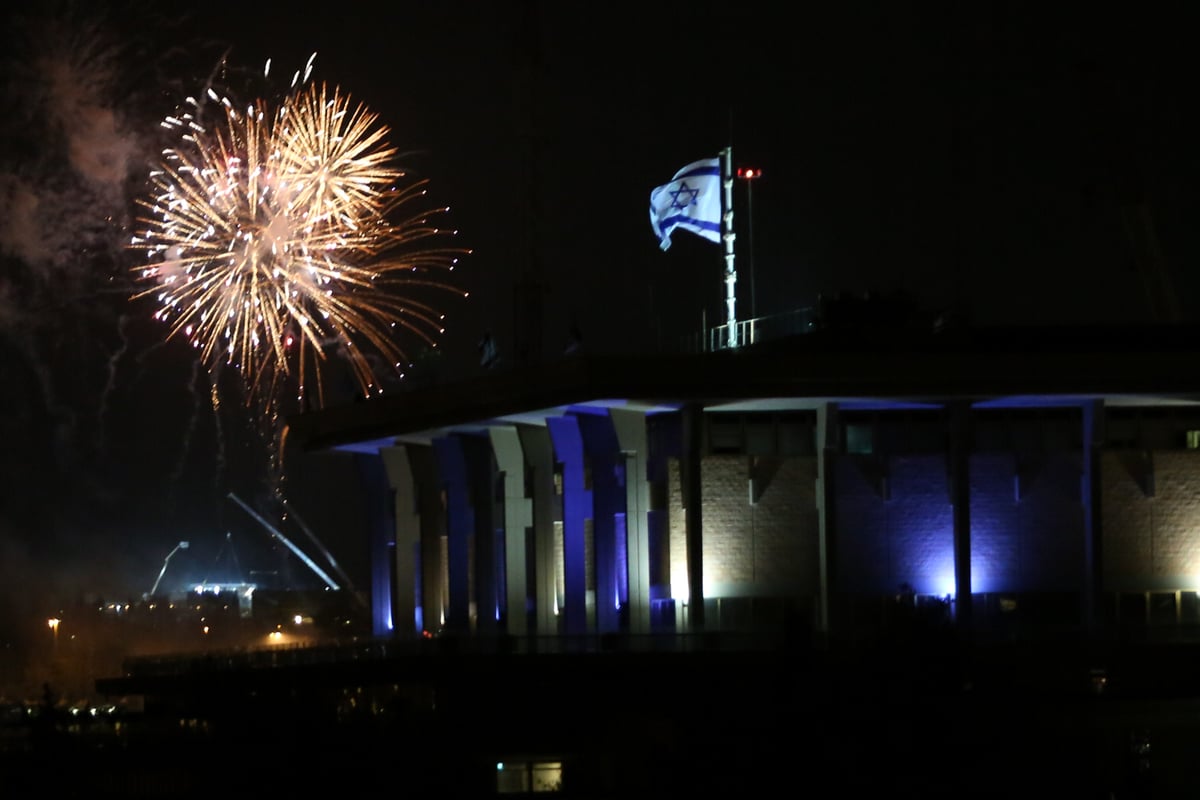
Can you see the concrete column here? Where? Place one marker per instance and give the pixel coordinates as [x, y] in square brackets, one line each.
[518, 518]
[827, 446]
[960, 498]
[631, 434]
[383, 528]
[460, 529]
[431, 533]
[693, 505]
[407, 620]
[487, 563]
[539, 454]
[577, 505]
[603, 455]
[1090, 489]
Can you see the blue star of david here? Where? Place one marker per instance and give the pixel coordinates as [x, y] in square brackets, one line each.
[684, 189]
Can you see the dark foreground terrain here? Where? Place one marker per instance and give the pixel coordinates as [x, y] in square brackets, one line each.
[927, 718]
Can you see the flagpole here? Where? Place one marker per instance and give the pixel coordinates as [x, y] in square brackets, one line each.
[728, 236]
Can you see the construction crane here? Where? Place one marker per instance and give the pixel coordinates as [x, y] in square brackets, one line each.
[349, 584]
[320, 573]
[163, 571]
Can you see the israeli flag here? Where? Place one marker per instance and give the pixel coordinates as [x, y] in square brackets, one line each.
[691, 201]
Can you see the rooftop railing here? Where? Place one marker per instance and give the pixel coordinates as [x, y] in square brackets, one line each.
[752, 331]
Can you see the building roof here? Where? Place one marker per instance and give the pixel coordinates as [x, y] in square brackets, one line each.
[859, 368]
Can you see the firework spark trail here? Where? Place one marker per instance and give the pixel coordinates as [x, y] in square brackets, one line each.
[272, 234]
[189, 431]
[214, 399]
[146, 352]
[111, 381]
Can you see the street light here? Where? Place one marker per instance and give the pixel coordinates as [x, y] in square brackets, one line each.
[53, 623]
[750, 175]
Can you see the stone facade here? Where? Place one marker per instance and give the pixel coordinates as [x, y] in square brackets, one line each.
[1031, 529]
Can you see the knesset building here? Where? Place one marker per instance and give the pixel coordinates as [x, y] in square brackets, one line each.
[1024, 482]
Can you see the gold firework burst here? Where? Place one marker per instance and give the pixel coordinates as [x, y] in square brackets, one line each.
[285, 233]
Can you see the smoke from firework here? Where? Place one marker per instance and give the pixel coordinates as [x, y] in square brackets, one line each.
[69, 147]
[114, 448]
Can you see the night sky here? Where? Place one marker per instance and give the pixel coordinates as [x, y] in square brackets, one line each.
[978, 160]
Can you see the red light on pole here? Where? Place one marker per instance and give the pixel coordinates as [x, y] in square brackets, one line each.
[749, 175]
